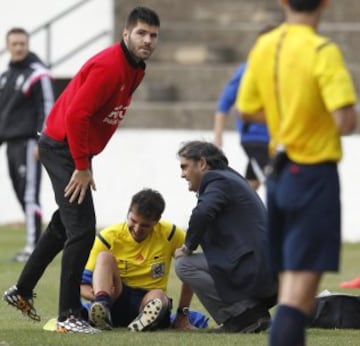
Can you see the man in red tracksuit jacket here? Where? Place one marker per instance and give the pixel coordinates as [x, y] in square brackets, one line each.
[79, 126]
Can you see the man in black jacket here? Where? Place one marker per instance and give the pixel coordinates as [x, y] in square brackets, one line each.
[26, 96]
[232, 277]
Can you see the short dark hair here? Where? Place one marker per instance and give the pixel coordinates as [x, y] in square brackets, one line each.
[304, 5]
[195, 150]
[144, 15]
[148, 203]
[17, 30]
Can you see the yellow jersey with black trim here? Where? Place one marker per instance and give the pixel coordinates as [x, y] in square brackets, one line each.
[142, 265]
[298, 78]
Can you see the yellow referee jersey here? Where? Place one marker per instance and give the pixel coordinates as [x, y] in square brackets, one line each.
[145, 264]
[298, 78]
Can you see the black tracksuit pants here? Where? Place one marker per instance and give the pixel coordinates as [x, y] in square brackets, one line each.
[25, 175]
[71, 229]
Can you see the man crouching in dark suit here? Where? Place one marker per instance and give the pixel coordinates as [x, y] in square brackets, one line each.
[232, 277]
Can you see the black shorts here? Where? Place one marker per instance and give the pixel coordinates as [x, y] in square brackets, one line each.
[126, 308]
[304, 217]
[258, 151]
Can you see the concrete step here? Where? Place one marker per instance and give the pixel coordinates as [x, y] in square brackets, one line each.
[183, 43]
[224, 31]
[232, 11]
[342, 11]
[197, 83]
[346, 35]
[171, 115]
[213, 11]
[179, 115]
[202, 82]
[203, 42]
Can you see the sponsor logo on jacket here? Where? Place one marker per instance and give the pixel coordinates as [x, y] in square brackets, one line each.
[115, 116]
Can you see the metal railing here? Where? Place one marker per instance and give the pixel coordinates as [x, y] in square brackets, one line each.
[47, 27]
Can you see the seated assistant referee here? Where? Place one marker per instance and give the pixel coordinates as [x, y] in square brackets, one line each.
[128, 268]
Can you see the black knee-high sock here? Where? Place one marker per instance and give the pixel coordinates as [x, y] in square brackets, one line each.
[288, 327]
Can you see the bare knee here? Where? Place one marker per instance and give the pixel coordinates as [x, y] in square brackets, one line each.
[155, 294]
[104, 259]
[298, 289]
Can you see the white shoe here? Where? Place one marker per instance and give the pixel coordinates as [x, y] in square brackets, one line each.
[147, 317]
[75, 325]
[100, 316]
[22, 256]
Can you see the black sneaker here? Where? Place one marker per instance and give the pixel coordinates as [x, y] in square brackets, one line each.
[260, 325]
[75, 324]
[24, 304]
[254, 320]
[147, 317]
[100, 316]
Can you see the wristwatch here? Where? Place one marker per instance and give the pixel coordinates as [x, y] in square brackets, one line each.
[183, 310]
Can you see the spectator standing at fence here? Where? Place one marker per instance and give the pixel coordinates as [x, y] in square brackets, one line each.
[127, 273]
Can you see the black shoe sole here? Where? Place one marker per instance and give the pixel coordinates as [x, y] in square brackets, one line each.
[260, 325]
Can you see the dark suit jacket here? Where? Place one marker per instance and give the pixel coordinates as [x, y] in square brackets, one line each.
[230, 224]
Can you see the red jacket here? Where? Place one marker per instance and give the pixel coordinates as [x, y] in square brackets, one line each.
[91, 107]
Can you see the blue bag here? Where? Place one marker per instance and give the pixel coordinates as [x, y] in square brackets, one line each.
[196, 318]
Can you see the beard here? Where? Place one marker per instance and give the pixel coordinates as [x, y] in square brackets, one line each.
[139, 52]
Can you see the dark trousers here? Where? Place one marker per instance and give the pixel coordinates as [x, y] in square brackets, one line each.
[25, 175]
[71, 229]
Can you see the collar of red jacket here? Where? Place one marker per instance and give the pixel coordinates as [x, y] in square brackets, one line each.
[130, 58]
